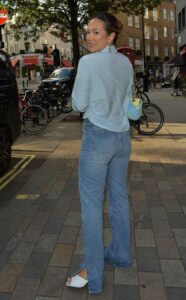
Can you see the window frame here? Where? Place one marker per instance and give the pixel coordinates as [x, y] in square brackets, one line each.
[166, 50]
[147, 32]
[165, 31]
[136, 22]
[156, 50]
[155, 32]
[137, 41]
[130, 21]
[155, 14]
[172, 15]
[130, 38]
[165, 13]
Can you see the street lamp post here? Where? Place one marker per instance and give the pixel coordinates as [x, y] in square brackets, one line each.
[143, 39]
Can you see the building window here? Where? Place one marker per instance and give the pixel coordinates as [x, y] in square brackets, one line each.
[179, 21]
[172, 15]
[155, 14]
[131, 42]
[155, 34]
[136, 21]
[146, 14]
[147, 50]
[172, 50]
[156, 50]
[183, 17]
[147, 32]
[165, 31]
[172, 33]
[166, 51]
[138, 46]
[130, 20]
[165, 13]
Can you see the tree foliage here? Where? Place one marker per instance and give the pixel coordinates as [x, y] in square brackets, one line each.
[65, 18]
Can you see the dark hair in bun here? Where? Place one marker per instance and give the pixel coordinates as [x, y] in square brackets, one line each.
[112, 24]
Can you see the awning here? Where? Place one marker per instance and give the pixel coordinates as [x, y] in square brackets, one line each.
[66, 63]
[177, 61]
[49, 60]
[183, 50]
[14, 62]
[30, 61]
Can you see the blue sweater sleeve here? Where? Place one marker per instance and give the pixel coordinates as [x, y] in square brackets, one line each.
[81, 89]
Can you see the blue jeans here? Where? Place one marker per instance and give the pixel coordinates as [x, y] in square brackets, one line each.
[104, 161]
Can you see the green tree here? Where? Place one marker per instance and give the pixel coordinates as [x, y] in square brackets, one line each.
[66, 18]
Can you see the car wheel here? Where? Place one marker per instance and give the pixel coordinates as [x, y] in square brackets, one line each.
[5, 150]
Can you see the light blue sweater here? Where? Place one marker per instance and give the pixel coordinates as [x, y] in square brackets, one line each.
[102, 88]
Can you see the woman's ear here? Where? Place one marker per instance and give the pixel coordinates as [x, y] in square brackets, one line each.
[111, 38]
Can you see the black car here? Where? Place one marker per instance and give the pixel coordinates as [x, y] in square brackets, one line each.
[60, 78]
[10, 124]
[166, 83]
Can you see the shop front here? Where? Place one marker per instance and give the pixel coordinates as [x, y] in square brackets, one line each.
[28, 68]
[32, 68]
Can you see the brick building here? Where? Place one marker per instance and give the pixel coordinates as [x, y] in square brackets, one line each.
[159, 35]
[181, 26]
[181, 42]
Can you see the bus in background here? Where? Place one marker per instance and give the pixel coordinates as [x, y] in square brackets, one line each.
[129, 52]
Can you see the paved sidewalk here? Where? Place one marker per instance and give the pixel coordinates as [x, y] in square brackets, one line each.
[41, 234]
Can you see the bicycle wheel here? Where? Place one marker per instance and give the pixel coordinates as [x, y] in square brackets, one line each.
[143, 96]
[66, 105]
[151, 120]
[34, 119]
[48, 109]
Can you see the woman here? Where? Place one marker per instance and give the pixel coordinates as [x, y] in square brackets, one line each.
[102, 88]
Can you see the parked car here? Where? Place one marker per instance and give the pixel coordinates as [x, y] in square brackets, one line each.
[166, 83]
[10, 124]
[62, 77]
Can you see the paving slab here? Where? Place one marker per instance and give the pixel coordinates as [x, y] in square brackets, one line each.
[151, 286]
[147, 259]
[53, 282]
[26, 289]
[173, 273]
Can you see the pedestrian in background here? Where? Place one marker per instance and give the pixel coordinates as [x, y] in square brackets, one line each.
[158, 78]
[102, 88]
[146, 81]
[151, 80]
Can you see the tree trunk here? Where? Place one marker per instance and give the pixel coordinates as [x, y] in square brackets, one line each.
[74, 31]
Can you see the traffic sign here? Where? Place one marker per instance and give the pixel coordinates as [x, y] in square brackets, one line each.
[3, 16]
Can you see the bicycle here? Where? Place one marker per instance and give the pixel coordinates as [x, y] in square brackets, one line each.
[151, 121]
[38, 98]
[142, 95]
[33, 117]
[55, 98]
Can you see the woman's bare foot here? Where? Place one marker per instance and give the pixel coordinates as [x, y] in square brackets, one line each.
[82, 273]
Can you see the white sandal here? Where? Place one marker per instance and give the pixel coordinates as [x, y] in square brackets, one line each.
[77, 282]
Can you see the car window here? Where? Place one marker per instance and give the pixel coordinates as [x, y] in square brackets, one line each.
[54, 74]
[61, 73]
[5, 72]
